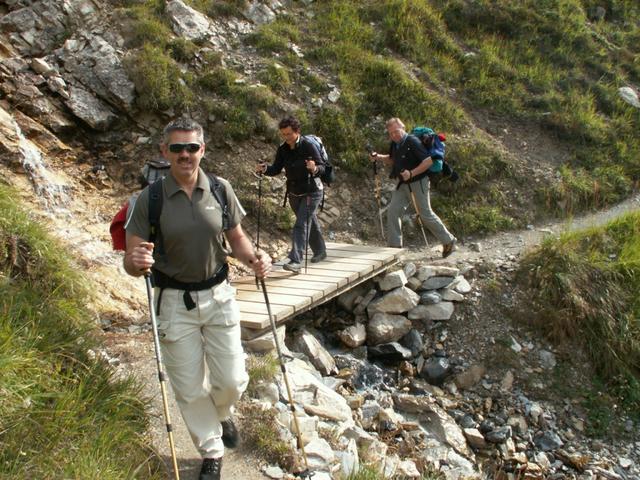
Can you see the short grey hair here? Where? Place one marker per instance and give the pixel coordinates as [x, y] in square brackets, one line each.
[393, 120]
[185, 125]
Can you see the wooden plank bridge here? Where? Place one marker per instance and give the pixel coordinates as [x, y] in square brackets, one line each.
[291, 294]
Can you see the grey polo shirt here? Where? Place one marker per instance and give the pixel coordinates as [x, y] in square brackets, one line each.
[191, 229]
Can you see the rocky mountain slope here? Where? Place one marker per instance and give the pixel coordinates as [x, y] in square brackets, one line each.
[73, 137]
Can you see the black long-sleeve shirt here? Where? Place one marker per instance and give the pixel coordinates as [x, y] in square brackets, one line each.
[293, 160]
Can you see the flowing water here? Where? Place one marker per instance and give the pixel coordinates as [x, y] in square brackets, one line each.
[50, 189]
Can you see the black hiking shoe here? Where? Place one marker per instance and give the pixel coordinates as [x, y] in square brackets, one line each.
[449, 248]
[230, 435]
[318, 257]
[211, 468]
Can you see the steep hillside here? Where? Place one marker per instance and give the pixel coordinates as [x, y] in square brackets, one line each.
[539, 101]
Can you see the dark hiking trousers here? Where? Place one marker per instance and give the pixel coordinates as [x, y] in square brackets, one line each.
[316, 242]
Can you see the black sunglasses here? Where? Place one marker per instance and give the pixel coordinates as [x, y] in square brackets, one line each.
[179, 147]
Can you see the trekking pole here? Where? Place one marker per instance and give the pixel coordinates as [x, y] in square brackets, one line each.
[305, 473]
[415, 205]
[306, 227]
[161, 375]
[377, 190]
[259, 214]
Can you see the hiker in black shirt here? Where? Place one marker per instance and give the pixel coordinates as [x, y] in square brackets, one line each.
[409, 162]
[303, 166]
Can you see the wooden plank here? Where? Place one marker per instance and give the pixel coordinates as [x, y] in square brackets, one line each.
[320, 276]
[341, 276]
[335, 254]
[274, 298]
[364, 249]
[339, 267]
[257, 321]
[354, 261]
[278, 310]
[314, 295]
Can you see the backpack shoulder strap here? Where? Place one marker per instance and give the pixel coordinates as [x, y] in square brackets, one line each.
[155, 209]
[220, 194]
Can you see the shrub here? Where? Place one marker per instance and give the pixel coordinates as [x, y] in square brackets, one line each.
[182, 50]
[583, 287]
[158, 80]
[276, 77]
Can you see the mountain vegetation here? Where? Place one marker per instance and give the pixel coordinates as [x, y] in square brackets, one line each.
[530, 95]
[462, 67]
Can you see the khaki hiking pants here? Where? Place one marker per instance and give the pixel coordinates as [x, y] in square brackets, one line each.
[401, 200]
[210, 332]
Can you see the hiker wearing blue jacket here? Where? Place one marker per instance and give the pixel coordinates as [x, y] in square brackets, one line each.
[409, 161]
[303, 166]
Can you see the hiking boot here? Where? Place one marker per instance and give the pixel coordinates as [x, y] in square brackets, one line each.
[211, 468]
[294, 267]
[230, 435]
[318, 257]
[449, 248]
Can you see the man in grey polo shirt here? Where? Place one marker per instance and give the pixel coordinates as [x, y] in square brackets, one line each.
[198, 318]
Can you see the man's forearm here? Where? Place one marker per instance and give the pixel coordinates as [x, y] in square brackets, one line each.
[423, 167]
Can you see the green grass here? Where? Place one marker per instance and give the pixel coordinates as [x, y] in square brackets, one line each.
[260, 431]
[584, 288]
[64, 412]
[261, 369]
[372, 472]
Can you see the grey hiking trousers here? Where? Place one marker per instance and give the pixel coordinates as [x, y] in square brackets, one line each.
[304, 210]
[401, 200]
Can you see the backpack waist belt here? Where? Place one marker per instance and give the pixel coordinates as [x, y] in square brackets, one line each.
[162, 281]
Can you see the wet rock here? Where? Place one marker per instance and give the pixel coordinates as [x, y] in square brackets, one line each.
[413, 341]
[436, 370]
[389, 353]
[353, 336]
